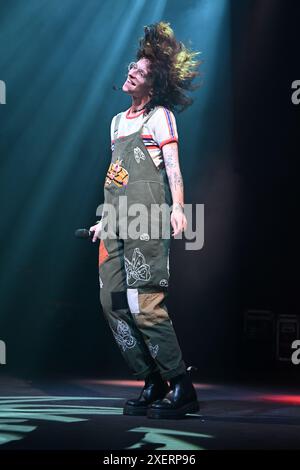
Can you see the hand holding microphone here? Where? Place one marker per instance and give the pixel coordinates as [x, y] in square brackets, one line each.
[93, 232]
[96, 229]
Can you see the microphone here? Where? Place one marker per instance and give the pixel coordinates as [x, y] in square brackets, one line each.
[83, 233]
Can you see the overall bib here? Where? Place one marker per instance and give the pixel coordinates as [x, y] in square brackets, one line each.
[134, 271]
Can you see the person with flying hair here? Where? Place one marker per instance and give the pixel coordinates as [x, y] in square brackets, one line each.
[134, 273]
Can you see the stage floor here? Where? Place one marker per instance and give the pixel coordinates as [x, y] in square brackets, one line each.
[87, 414]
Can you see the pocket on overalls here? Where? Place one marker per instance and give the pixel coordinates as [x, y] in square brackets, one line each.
[145, 197]
[144, 192]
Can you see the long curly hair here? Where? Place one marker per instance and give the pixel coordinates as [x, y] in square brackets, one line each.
[173, 67]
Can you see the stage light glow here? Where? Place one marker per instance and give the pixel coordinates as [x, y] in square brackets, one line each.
[15, 411]
[20, 413]
[282, 398]
[139, 383]
[59, 67]
[167, 439]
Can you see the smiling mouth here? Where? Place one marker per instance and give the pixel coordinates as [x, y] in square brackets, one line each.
[129, 81]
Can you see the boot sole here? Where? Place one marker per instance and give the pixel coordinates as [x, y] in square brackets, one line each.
[173, 414]
[134, 411]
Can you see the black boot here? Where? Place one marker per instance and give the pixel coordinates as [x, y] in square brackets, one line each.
[181, 399]
[155, 388]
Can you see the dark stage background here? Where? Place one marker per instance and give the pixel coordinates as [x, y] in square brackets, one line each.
[238, 150]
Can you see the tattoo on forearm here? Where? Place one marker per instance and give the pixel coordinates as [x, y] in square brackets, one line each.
[172, 167]
[169, 160]
[175, 180]
[170, 154]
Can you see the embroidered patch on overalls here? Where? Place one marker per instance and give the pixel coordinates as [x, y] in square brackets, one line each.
[103, 253]
[137, 269]
[145, 237]
[153, 349]
[123, 336]
[116, 174]
[138, 154]
[151, 309]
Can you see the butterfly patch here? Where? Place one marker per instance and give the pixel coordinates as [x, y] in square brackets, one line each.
[137, 269]
[138, 154]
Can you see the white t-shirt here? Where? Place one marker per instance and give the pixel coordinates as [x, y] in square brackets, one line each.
[158, 131]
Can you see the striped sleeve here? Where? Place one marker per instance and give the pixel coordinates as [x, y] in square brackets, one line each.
[163, 124]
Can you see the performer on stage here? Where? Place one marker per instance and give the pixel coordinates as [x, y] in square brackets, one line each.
[134, 273]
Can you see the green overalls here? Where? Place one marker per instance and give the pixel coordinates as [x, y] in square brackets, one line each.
[134, 272]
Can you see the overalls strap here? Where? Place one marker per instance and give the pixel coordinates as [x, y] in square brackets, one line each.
[117, 122]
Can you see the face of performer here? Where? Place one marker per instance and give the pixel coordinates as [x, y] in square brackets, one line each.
[138, 82]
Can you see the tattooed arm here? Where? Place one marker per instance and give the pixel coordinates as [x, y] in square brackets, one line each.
[171, 159]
